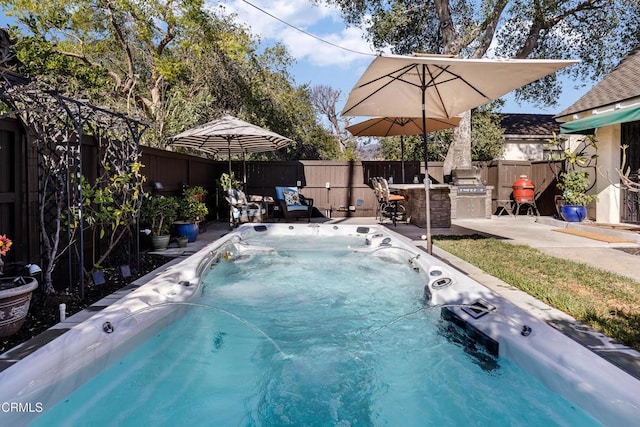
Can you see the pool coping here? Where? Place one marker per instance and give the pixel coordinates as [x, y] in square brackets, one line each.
[619, 355]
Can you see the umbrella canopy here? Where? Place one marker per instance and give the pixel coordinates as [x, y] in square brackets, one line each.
[398, 86]
[230, 135]
[398, 126]
[438, 86]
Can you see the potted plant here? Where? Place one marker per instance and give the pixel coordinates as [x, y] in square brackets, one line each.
[15, 295]
[191, 212]
[182, 241]
[574, 185]
[229, 182]
[196, 192]
[158, 213]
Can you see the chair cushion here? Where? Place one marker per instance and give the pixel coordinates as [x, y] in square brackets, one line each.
[237, 197]
[297, 208]
[280, 191]
[291, 198]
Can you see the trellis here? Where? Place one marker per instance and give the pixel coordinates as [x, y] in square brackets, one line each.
[56, 125]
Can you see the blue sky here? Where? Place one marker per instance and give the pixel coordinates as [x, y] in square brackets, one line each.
[321, 63]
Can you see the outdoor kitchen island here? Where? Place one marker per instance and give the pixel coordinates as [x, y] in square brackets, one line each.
[440, 203]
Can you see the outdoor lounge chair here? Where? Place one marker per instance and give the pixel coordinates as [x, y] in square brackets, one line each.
[242, 211]
[293, 205]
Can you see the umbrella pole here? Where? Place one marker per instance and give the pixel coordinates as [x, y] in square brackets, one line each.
[230, 183]
[427, 181]
[244, 173]
[402, 156]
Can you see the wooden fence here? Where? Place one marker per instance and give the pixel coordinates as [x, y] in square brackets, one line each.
[339, 188]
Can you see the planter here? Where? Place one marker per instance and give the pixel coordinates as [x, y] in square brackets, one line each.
[573, 213]
[188, 229]
[15, 297]
[182, 242]
[160, 243]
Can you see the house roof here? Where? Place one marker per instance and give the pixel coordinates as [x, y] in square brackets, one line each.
[619, 85]
[529, 124]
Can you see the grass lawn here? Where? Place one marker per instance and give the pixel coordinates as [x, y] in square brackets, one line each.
[606, 301]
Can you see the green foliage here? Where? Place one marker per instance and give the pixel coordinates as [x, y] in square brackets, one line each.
[229, 181]
[111, 205]
[574, 185]
[191, 209]
[437, 146]
[158, 213]
[194, 191]
[487, 142]
[177, 64]
[601, 32]
[574, 181]
[113, 200]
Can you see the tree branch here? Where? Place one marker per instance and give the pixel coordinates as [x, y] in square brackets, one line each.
[540, 24]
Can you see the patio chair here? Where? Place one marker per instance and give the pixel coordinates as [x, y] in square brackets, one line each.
[294, 205]
[388, 206]
[242, 211]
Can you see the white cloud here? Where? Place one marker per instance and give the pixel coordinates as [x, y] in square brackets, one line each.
[322, 21]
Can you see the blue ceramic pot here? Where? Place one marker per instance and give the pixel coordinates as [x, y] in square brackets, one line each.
[573, 213]
[188, 229]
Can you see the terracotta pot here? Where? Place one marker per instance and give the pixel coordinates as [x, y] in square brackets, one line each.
[15, 297]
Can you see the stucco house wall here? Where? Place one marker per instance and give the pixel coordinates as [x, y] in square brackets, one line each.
[618, 92]
[525, 136]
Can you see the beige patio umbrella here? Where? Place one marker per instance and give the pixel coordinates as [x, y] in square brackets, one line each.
[400, 126]
[438, 86]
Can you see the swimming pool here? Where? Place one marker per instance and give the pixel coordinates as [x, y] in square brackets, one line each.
[333, 326]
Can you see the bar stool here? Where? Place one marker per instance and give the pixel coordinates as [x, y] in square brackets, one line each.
[391, 202]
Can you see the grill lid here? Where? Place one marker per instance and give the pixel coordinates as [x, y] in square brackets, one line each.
[466, 176]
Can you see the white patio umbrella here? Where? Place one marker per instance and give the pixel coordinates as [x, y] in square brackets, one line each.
[231, 136]
[438, 86]
[400, 126]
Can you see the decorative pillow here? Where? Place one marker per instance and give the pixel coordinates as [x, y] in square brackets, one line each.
[291, 197]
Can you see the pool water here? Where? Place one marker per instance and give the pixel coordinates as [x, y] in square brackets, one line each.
[317, 335]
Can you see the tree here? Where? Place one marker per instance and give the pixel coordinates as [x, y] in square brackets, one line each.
[599, 32]
[324, 99]
[487, 142]
[175, 63]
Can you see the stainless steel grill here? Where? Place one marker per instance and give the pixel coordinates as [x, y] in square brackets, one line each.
[468, 181]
